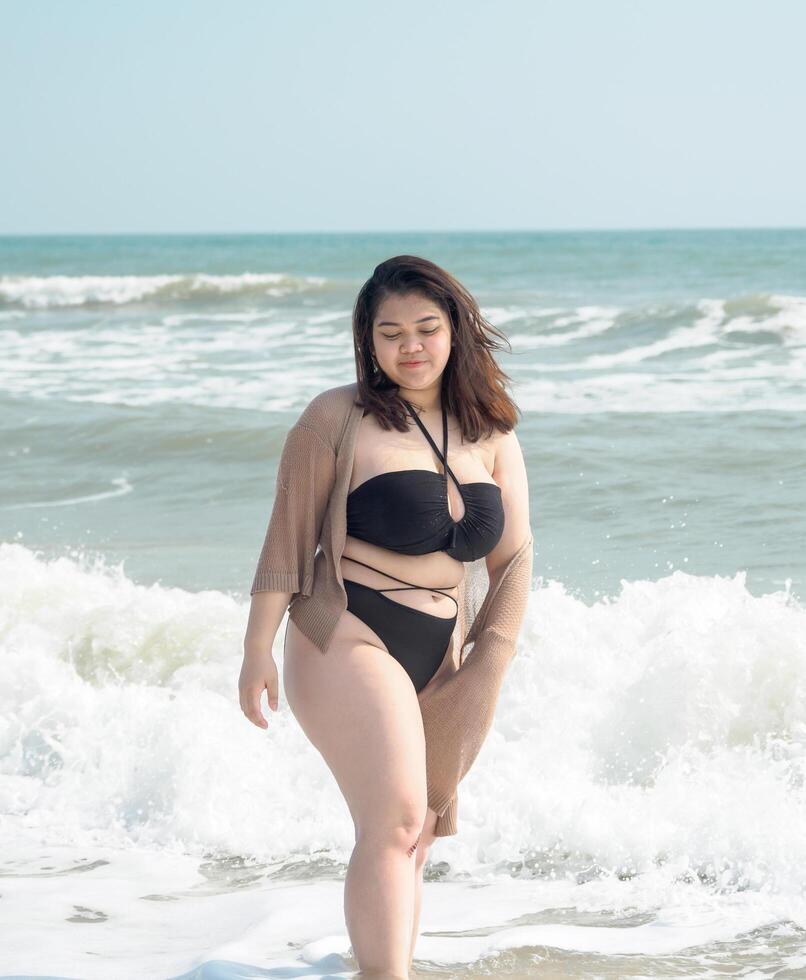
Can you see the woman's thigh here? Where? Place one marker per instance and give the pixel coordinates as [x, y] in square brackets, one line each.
[358, 707]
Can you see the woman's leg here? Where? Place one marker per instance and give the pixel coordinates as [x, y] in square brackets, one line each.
[426, 840]
[358, 707]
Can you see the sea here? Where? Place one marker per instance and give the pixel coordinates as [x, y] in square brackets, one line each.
[638, 809]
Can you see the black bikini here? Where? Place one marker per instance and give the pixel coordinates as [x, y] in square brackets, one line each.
[407, 511]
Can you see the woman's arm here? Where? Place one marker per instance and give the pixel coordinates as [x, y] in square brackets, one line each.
[509, 472]
[265, 615]
[285, 569]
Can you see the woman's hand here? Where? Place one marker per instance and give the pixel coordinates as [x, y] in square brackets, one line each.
[258, 671]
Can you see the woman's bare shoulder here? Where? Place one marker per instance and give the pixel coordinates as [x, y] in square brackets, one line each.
[507, 452]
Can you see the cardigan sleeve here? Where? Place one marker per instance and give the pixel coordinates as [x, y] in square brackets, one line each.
[458, 714]
[305, 478]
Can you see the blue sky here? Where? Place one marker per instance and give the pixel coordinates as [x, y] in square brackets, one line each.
[305, 115]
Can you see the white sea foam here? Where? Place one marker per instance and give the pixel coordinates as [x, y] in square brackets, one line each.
[121, 723]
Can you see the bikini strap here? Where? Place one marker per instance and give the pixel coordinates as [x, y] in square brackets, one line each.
[411, 584]
[443, 456]
[408, 585]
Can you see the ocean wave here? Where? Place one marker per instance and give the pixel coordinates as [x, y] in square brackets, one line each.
[43, 292]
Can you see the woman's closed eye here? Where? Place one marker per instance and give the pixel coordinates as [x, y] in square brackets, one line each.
[426, 332]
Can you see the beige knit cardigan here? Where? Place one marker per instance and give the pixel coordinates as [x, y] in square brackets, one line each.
[310, 512]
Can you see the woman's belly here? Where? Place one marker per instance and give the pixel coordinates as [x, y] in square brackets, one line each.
[433, 571]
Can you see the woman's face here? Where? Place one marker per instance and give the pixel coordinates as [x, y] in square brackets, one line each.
[411, 327]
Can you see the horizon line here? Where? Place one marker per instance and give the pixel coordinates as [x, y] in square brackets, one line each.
[399, 232]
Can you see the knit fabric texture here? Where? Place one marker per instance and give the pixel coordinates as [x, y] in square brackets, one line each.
[301, 554]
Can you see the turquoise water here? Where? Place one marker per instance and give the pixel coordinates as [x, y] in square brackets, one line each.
[147, 383]
[647, 761]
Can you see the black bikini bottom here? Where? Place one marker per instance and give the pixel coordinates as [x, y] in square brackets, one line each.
[416, 639]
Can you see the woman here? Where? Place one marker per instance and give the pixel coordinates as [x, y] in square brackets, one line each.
[401, 479]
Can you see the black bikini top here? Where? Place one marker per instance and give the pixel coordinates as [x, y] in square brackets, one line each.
[407, 510]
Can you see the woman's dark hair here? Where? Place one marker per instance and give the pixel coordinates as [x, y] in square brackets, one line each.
[472, 383]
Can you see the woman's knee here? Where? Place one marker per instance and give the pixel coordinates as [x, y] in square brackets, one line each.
[406, 836]
[395, 815]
